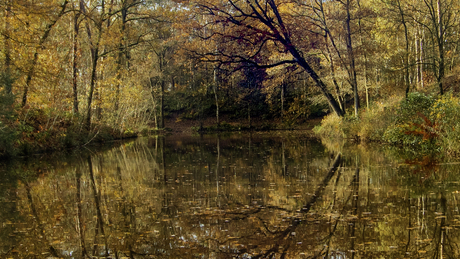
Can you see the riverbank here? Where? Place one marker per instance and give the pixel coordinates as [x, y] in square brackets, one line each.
[31, 131]
[420, 122]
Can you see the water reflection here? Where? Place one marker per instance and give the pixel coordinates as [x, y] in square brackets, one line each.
[238, 196]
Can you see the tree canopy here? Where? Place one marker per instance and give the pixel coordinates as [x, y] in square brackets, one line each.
[134, 62]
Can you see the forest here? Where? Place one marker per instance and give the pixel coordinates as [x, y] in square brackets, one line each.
[75, 71]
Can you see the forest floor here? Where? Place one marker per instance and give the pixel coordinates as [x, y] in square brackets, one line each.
[186, 126]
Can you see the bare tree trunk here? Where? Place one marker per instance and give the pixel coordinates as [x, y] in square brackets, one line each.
[98, 98]
[319, 83]
[334, 78]
[353, 80]
[284, 38]
[7, 48]
[95, 58]
[406, 54]
[417, 57]
[154, 103]
[122, 55]
[366, 81]
[422, 61]
[441, 62]
[282, 101]
[215, 85]
[162, 109]
[74, 60]
[94, 47]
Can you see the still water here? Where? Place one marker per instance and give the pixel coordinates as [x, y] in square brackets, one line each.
[235, 196]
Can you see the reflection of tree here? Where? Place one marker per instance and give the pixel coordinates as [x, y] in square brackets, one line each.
[8, 184]
[355, 191]
[234, 201]
[278, 241]
[80, 224]
[443, 245]
[35, 214]
[99, 218]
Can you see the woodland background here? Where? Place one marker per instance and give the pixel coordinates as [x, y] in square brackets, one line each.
[73, 71]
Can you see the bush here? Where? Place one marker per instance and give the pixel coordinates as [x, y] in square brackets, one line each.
[412, 121]
[375, 122]
[331, 126]
[8, 139]
[421, 122]
[415, 104]
[445, 113]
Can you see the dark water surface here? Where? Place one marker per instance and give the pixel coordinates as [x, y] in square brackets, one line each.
[237, 196]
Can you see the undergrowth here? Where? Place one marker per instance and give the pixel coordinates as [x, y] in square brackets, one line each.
[28, 131]
[420, 121]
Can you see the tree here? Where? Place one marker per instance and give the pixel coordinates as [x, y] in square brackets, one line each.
[254, 29]
[38, 47]
[163, 45]
[76, 29]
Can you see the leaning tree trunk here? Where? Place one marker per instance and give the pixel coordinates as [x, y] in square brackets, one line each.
[34, 61]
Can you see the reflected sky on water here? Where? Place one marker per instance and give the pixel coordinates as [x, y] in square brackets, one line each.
[280, 195]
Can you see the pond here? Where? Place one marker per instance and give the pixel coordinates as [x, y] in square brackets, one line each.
[280, 195]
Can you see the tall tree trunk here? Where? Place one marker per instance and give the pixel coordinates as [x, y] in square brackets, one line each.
[406, 54]
[366, 81]
[351, 55]
[162, 108]
[154, 103]
[363, 42]
[214, 87]
[417, 57]
[283, 86]
[94, 61]
[319, 83]
[76, 29]
[122, 55]
[7, 48]
[94, 48]
[39, 46]
[98, 98]
[422, 61]
[284, 38]
[334, 78]
[441, 61]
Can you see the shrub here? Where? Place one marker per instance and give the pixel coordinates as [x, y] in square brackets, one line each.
[331, 126]
[415, 104]
[412, 124]
[445, 112]
[375, 122]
